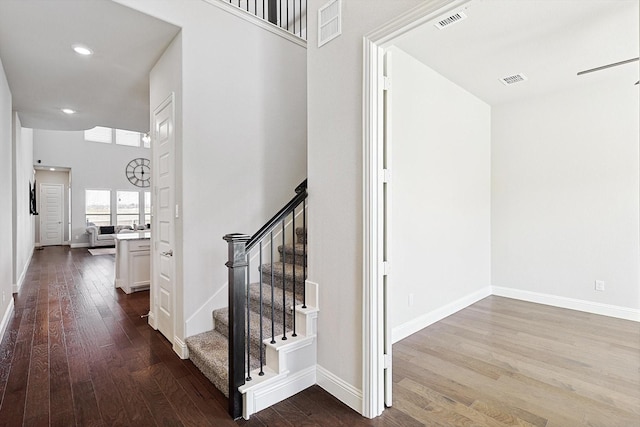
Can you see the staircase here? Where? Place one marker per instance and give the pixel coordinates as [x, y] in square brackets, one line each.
[281, 355]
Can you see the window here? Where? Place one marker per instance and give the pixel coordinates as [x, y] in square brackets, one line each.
[98, 134]
[128, 208]
[127, 137]
[147, 207]
[98, 207]
[120, 136]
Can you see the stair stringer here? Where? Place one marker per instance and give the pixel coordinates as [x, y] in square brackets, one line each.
[291, 366]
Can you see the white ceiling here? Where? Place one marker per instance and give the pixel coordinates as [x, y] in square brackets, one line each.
[110, 88]
[547, 40]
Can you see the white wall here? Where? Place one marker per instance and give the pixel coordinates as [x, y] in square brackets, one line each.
[440, 234]
[93, 166]
[23, 221]
[6, 194]
[243, 139]
[565, 195]
[334, 74]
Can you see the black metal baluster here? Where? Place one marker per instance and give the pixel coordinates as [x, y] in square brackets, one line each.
[248, 310]
[293, 225]
[261, 320]
[294, 16]
[306, 21]
[273, 332]
[280, 4]
[287, 15]
[304, 253]
[284, 287]
[272, 13]
[262, 9]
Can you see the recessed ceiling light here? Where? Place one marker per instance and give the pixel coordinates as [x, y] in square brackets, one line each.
[81, 49]
[68, 111]
[52, 169]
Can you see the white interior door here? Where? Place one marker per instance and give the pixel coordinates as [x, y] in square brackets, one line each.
[164, 214]
[51, 205]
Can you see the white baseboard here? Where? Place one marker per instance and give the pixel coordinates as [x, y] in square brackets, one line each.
[79, 245]
[23, 274]
[336, 386]
[5, 318]
[411, 327]
[272, 392]
[180, 348]
[570, 303]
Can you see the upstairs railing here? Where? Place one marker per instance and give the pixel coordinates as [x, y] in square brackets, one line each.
[290, 15]
[244, 251]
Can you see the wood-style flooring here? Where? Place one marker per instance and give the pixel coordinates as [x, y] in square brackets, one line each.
[77, 352]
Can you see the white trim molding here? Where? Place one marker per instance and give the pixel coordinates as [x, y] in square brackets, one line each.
[374, 45]
[616, 311]
[421, 322]
[5, 319]
[79, 245]
[180, 348]
[343, 391]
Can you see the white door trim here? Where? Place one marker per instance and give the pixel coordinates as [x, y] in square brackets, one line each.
[374, 302]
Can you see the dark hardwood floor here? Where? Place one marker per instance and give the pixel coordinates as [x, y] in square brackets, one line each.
[77, 352]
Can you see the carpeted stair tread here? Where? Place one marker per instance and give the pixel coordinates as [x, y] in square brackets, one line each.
[209, 351]
[254, 299]
[286, 272]
[301, 235]
[221, 318]
[287, 251]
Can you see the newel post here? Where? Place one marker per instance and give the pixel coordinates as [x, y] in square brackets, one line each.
[237, 266]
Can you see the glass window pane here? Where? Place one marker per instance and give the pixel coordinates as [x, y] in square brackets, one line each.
[98, 134]
[128, 209]
[98, 207]
[127, 137]
[147, 207]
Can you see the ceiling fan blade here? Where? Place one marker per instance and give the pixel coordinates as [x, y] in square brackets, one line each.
[615, 64]
[637, 82]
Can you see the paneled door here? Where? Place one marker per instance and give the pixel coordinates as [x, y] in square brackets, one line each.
[51, 203]
[164, 213]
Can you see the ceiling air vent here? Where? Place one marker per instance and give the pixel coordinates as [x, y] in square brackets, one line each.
[329, 22]
[516, 78]
[448, 20]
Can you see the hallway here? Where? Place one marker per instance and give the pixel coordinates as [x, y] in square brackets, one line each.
[77, 352]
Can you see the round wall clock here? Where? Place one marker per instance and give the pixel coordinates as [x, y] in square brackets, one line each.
[139, 172]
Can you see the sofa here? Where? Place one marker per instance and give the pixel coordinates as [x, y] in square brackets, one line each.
[104, 235]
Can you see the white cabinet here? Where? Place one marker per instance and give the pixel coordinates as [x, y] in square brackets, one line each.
[133, 261]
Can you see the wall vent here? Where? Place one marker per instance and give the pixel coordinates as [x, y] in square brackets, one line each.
[448, 20]
[329, 21]
[516, 78]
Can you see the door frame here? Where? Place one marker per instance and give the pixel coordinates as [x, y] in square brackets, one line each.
[42, 216]
[375, 304]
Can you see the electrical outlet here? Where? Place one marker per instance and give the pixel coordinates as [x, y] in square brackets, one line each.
[4, 296]
[600, 285]
[410, 301]
[77, 236]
